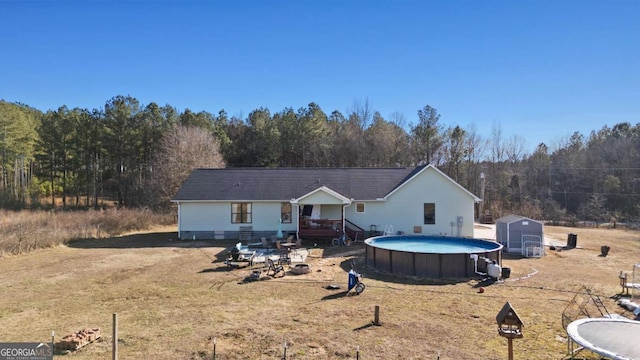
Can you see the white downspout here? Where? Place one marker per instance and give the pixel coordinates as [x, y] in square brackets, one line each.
[179, 210]
[344, 208]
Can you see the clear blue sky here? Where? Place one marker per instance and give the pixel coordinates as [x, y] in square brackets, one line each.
[539, 69]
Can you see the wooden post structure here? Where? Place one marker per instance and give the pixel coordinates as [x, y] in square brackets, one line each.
[376, 316]
[284, 357]
[115, 337]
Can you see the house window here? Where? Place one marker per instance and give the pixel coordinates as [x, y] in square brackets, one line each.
[429, 213]
[360, 208]
[241, 213]
[285, 212]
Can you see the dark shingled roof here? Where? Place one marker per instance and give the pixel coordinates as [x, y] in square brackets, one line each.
[253, 184]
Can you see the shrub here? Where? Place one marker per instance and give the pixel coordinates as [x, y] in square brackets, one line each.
[25, 231]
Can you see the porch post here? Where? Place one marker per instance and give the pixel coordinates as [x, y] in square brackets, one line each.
[343, 222]
[297, 217]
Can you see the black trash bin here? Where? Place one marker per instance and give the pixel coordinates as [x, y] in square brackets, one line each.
[572, 240]
[506, 272]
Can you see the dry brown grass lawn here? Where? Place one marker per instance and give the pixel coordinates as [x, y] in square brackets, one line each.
[173, 297]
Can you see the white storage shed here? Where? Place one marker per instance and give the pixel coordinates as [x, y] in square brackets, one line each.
[519, 234]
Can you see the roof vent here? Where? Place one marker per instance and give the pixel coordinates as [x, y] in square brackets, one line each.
[238, 184]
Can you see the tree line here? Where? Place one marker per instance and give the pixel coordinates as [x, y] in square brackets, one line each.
[136, 155]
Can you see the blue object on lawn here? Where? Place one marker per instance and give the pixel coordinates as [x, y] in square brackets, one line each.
[353, 278]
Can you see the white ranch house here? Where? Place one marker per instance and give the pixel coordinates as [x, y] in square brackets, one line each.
[249, 203]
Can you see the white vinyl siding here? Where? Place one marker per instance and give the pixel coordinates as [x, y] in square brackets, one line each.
[216, 216]
[404, 209]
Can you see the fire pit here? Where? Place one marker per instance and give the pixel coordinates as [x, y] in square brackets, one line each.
[300, 269]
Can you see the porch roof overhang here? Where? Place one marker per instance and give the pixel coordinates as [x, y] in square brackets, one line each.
[322, 195]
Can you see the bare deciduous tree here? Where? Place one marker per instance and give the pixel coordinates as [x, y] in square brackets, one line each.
[183, 150]
[361, 113]
[514, 148]
[497, 148]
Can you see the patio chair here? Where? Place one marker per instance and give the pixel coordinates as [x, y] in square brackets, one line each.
[274, 269]
[265, 243]
[284, 258]
[298, 246]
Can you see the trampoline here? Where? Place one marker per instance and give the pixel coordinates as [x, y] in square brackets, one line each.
[615, 339]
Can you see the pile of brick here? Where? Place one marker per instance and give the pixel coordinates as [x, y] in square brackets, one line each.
[78, 339]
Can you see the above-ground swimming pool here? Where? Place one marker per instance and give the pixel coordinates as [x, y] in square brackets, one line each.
[430, 256]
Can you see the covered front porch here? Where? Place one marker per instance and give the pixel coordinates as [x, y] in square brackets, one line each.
[329, 229]
[321, 213]
[319, 228]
